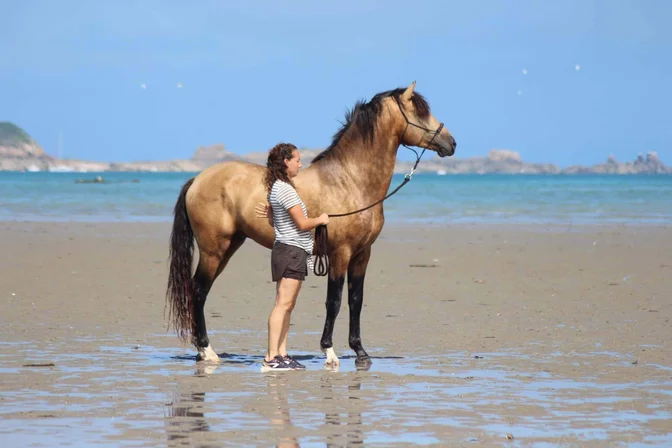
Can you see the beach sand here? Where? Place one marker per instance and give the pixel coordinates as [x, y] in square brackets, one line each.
[551, 335]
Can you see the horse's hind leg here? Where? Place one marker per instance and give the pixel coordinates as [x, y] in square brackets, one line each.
[209, 267]
[356, 273]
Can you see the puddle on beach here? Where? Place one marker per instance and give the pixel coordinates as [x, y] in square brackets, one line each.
[121, 394]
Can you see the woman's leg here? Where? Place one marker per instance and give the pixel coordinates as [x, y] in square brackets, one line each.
[282, 348]
[287, 290]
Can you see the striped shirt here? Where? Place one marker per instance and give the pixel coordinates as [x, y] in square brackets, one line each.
[283, 197]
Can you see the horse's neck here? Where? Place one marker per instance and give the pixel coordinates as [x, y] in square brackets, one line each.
[366, 166]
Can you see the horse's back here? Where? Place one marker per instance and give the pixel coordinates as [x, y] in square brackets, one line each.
[227, 178]
[222, 198]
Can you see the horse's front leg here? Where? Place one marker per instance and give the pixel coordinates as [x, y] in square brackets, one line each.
[339, 263]
[356, 274]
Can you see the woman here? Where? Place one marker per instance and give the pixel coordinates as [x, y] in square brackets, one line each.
[290, 257]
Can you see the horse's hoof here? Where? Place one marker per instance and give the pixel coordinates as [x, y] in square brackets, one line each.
[207, 354]
[363, 363]
[332, 360]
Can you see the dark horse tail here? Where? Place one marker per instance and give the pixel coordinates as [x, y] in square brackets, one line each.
[179, 295]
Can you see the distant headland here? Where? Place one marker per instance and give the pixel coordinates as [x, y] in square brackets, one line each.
[20, 152]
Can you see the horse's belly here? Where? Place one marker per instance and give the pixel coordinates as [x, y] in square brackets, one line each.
[260, 232]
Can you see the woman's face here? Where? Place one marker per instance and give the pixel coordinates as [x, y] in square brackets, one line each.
[293, 164]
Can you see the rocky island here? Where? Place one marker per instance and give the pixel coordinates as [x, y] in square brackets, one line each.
[19, 152]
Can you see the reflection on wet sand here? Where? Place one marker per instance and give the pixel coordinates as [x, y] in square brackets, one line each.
[352, 422]
[184, 417]
[342, 425]
[280, 418]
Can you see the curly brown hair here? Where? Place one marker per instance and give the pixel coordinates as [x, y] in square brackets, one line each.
[275, 165]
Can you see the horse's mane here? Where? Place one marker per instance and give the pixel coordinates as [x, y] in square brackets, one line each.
[363, 117]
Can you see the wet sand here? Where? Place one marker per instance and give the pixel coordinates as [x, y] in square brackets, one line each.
[556, 336]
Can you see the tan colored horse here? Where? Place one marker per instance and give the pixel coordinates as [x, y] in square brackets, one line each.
[217, 208]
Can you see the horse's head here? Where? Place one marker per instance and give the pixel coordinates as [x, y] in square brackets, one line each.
[421, 128]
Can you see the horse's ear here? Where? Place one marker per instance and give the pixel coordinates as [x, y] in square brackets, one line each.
[408, 93]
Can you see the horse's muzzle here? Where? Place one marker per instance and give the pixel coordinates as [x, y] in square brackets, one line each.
[446, 146]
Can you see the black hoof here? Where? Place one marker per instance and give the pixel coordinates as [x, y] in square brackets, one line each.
[363, 363]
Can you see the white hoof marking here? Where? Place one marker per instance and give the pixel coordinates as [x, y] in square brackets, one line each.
[332, 359]
[207, 354]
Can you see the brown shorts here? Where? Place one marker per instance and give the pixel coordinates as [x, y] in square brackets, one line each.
[288, 262]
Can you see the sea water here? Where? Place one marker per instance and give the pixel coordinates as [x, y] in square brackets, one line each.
[429, 199]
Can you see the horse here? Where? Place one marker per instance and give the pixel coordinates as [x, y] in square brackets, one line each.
[216, 209]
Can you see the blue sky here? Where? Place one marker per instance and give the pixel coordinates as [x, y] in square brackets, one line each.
[256, 73]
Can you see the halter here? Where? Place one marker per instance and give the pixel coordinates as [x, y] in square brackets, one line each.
[424, 148]
[321, 235]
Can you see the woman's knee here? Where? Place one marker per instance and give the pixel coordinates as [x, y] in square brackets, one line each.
[285, 303]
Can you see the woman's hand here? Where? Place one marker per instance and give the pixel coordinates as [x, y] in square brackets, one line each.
[323, 219]
[261, 210]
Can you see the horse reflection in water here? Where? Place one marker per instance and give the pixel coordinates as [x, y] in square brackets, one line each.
[187, 423]
[344, 429]
[185, 417]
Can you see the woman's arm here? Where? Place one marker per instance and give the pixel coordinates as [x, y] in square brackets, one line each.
[304, 223]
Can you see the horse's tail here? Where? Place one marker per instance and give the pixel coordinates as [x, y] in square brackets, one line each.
[179, 295]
